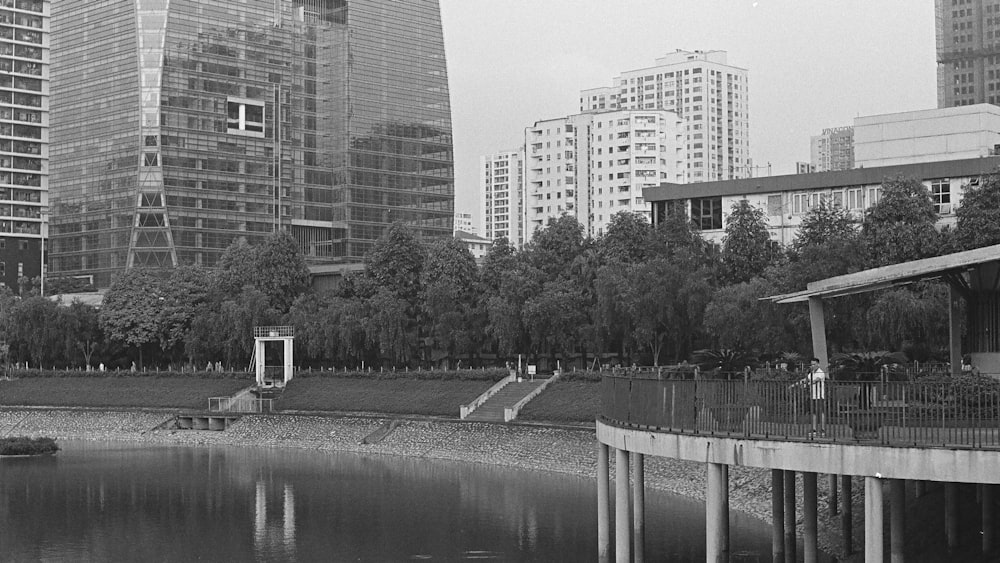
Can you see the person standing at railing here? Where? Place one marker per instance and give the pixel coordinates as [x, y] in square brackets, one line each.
[816, 381]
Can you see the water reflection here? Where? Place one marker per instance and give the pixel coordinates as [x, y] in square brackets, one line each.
[108, 502]
[276, 537]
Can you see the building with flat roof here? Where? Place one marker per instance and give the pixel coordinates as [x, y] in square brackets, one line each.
[953, 133]
[708, 93]
[968, 52]
[593, 165]
[328, 119]
[501, 183]
[24, 138]
[833, 149]
[787, 199]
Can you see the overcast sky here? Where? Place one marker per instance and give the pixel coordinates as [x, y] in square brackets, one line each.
[812, 64]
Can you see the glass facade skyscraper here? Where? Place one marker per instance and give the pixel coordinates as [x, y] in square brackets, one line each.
[182, 125]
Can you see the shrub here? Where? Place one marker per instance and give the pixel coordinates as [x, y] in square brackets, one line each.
[22, 445]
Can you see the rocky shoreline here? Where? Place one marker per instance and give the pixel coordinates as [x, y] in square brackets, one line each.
[561, 449]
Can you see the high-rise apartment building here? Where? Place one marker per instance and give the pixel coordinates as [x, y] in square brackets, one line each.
[180, 127]
[833, 149]
[501, 177]
[24, 151]
[968, 52]
[710, 95]
[593, 165]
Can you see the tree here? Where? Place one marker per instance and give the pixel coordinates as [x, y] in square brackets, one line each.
[747, 247]
[554, 248]
[979, 215]
[901, 226]
[275, 268]
[628, 239]
[396, 262]
[132, 309]
[553, 317]
[449, 295]
[738, 319]
[35, 330]
[823, 225]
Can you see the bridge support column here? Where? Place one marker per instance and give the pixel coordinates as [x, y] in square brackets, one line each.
[873, 520]
[951, 514]
[777, 516]
[847, 514]
[832, 499]
[623, 520]
[790, 547]
[987, 517]
[897, 520]
[717, 514]
[919, 488]
[603, 506]
[638, 508]
[809, 514]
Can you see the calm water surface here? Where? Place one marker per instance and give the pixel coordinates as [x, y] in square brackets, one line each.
[121, 502]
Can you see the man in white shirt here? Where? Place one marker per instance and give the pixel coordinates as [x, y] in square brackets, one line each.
[816, 379]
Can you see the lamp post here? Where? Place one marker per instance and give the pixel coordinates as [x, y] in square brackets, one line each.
[41, 245]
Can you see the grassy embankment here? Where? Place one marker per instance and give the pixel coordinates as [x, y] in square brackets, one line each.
[417, 393]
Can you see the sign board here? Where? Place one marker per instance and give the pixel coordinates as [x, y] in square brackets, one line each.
[531, 369]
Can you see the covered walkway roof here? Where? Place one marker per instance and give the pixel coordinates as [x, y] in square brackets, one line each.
[949, 267]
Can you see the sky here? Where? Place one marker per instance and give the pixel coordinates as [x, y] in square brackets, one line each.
[812, 64]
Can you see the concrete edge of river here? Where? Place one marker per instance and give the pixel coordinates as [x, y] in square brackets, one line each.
[536, 447]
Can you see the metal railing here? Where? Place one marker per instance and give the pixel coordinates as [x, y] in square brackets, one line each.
[240, 405]
[960, 414]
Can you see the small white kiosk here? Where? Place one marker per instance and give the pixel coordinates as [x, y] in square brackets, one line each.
[264, 334]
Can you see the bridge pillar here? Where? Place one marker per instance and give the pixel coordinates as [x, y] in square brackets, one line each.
[638, 508]
[832, 499]
[987, 515]
[809, 514]
[918, 488]
[951, 514]
[777, 516]
[897, 520]
[603, 505]
[717, 514]
[847, 514]
[623, 518]
[790, 547]
[873, 520]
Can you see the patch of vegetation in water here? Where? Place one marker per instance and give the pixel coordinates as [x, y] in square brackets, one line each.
[22, 445]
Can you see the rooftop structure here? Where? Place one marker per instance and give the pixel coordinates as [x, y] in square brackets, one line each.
[952, 133]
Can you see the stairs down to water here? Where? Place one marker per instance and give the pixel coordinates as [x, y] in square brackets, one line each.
[492, 409]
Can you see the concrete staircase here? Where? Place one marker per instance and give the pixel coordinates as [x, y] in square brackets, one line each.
[492, 409]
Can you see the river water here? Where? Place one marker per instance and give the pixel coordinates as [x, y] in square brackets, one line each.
[97, 501]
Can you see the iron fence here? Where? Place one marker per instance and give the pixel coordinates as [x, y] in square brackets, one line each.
[955, 414]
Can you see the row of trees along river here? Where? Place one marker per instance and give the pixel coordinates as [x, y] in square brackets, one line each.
[636, 294]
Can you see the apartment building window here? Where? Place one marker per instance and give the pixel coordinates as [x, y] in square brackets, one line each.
[941, 195]
[855, 198]
[706, 212]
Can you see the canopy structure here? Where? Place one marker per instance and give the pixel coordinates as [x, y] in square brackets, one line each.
[972, 275]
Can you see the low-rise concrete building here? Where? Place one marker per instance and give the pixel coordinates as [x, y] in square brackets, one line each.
[787, 199]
